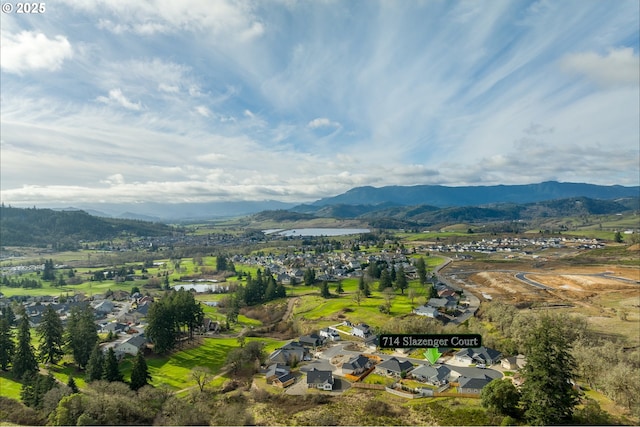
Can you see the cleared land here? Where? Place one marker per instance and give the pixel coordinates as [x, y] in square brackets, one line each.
[608, 294]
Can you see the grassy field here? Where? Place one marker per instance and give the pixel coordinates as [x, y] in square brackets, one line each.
[172, 370]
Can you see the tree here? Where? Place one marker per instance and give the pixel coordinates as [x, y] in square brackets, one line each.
[309, 276]
[412, 294]
[51, 334]
[618, 237]
[385, 280]
[24, 359]
[111, 367]
[95, 365]
[139, 372]
[357, 297]
[82, 335]
[161, 330]
[339, 288]
[71, 383]
[421, 267]
[7, 346]
[401, 281]
[388, 295]
[201, 375]
[547, 394]
[501, 396]
[48, 272]
[324, 290]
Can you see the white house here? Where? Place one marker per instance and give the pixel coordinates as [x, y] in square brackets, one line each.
[132, 346]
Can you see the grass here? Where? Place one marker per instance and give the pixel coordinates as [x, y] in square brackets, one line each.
[9, 387]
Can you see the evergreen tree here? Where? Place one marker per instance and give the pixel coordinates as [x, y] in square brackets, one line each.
[161, 330]
[24, 359]
[385, 280]
[95, 365]
[82, 335]
[8, 314]
[394, 273]
[339, 288]
[324, 290]
[421, 267]
[7, 346]
[71, 383]
[111, 368]
[281, 291]
[309, 276]
[34, 387]
[547, 394]
[221, 263]
[51, 337]
[48, 273]
[401, 282]
[139, 372]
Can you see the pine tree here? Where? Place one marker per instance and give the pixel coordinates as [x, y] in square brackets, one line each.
[82, 335]
[385, 280]
[95, 365]
[547, 394]
[51, 337]
[324, 290]
[421, 267]
[111, 368]
[71, 383]
[24, 359]
[139, 373]
[7, 346]
[401, 282]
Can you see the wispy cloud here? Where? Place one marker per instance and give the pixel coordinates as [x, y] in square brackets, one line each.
[189, 100]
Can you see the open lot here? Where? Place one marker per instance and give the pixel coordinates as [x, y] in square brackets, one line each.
[608, 294]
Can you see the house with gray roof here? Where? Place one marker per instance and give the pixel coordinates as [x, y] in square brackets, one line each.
[484, 355]
[322, 380]
[435, 375]
[472, 385]
[428, 311]
[394, 367]
[361, 330]
[356, 365]
[132, 346]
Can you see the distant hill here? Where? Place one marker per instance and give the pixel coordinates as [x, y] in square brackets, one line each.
[63, 229]
[443, 196]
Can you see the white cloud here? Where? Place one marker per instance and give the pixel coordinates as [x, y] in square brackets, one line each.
[618, 67]
[322, 122]
[163, 87]
[203, 111]
[29, 50]
[117, 97]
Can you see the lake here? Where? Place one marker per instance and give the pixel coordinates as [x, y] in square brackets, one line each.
[323, 231]
[201, 288]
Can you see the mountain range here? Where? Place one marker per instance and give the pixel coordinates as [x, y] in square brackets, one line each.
[362, 200]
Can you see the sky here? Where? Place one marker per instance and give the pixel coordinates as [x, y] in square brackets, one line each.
[216, 100]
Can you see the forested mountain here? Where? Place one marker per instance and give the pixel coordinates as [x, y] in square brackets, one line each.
[63, 229]
[442, 196]
[386, 216]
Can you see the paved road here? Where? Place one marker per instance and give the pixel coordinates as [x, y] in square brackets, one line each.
[523, 278]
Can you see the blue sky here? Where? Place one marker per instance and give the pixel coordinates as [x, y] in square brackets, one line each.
[193, 101]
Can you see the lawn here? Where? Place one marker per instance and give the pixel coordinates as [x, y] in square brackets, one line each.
[175, 370]
[9, 387]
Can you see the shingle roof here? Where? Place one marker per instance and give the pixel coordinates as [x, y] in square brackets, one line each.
[316, 376]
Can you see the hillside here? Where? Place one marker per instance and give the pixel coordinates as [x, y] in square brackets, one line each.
[63, 229]
[442, 196]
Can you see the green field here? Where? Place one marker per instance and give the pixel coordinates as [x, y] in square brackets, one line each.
[172, 371]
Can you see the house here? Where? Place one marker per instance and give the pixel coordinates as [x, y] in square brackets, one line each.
[330, 334]
[448, 303]
[288, 354]
[322, 380]
[104, 307]
[428, 311]
[472, 385]
[285, 380]
[311, 340]
[484, 355]
[394, 367]
[361, 330]
[513, 363]
[115, 327]
[275, 371]
[435, 375]
[133, 345]
[356, 365]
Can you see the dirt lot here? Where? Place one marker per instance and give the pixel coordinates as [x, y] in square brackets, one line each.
[608, 294]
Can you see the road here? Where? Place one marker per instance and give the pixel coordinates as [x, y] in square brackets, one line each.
[474, 301]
